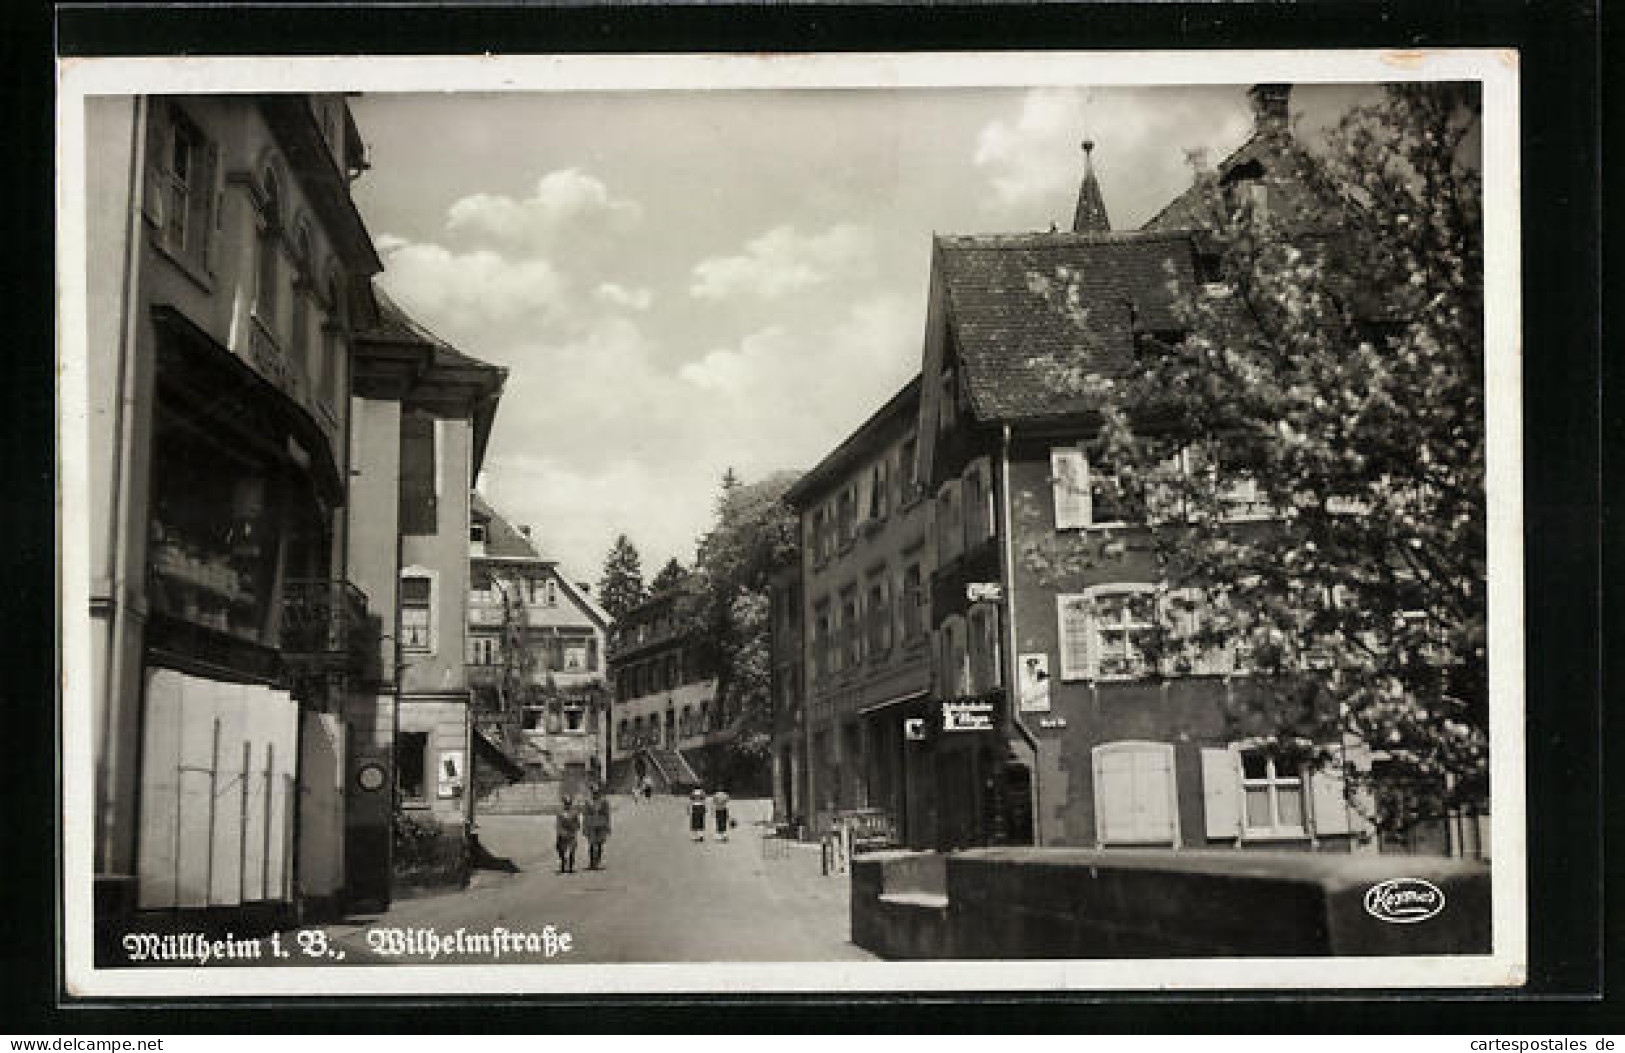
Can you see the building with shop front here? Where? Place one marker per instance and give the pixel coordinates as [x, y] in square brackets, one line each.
[422, 417]
[536, 655]
[867, 556]
[229, 270]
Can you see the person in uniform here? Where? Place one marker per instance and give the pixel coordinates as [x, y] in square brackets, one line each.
[696, 814]
[566, 827]
[719, 808]
[595, 824]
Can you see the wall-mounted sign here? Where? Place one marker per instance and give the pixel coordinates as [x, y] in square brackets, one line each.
[1052, 723]
[1034, 683]
[914, 729]
[968, 715]
[451, 773]
[371, 777]
[983, 591]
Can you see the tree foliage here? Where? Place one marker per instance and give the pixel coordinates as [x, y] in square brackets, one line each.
[727, 602]
[1332, 383]
[620, 589]
[670, 578]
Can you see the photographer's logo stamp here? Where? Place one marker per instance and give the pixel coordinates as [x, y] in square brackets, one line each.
[1404, 901]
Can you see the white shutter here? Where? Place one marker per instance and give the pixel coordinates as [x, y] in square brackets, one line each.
[1134, 793]
[1221, 793]
[1114, 796]
[1154, 794]
[1073, 628]
[1330, 808]
[1069, 481]
[865, 489]
[154, 181]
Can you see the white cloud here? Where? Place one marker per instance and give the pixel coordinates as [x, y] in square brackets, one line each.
[567, 199]
[466, 296]
[784, 260]
[618, 295]
[1027, 158]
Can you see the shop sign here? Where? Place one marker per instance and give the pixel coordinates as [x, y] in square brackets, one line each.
[914, 729]
[983, 591]
[1034, 683]
[972, 714]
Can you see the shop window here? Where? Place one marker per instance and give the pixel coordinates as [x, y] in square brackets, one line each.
[417, 612]
[184, 165]
[1105, 631]
[411, 765]
[212, 535]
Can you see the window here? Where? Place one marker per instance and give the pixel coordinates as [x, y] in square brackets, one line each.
[913, 603]
[1238, 491]
[620, 735]
[476, 533]
[907, 480]
[418, 499]
[820, 640]
[184, 165]
[954, 658]
[333, 353]
[1104, 631]
[851, 631]
[1135, 794]
[986, 667]
[1186, 615]
[950, 530]
[880, 620]
[846, 514]
[417, 612]
[1086, 494]
[879, 504]
[411, 764]
[269, 250]
[978, 503]
[1272, 794]
[947, 402]
[551, 592]
[300, 348]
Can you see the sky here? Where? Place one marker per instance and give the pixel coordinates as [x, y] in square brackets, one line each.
[680, 282]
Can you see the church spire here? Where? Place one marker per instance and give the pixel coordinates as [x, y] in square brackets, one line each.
[1090, 217]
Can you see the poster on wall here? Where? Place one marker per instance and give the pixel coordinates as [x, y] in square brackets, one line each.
[1035, 683]
[451, 773]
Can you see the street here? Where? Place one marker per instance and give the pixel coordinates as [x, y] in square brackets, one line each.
[660, 898]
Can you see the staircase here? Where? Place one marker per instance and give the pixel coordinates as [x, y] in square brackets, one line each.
[521, 798]
[670, 770]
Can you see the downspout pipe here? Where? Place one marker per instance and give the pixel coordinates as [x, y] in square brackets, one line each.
[1012, 671]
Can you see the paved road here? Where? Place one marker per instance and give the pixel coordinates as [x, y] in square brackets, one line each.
[660, 898]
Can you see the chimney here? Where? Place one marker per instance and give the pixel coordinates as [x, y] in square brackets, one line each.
[1270, 107]
[1090, 218]
[585, 587]
[525, 530]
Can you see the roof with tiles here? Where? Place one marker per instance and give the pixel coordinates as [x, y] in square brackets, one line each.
[1025, 310]
[502, 541]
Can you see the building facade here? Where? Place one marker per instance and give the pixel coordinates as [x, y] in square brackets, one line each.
[423, 417]
[866, 562]
[230, 269]
[537, 645]
[668, 722]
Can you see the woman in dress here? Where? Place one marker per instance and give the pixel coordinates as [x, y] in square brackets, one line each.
[696, 814]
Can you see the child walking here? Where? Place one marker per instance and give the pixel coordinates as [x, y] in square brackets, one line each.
[565, 829]
[719, 808]
[696, 814]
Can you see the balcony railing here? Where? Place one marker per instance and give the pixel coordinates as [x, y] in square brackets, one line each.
[326, 629]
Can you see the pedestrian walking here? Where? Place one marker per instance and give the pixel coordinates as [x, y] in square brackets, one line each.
[595, 824]
[647, 788]
[696, 814]
[566, 827]
[719, 808]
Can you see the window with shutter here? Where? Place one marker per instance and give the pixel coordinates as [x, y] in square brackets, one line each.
[1072, 613]
[1272, 795]
[1135, 794]
[183, 167]
[1069, 483]
[1221, 793]
[417, 494]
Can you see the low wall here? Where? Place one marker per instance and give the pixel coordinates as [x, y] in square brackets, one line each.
[1088, 903]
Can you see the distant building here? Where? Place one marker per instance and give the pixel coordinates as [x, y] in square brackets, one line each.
[668, 722]
[229, 269]
[866, 564]
[537, 645]
[423, 415]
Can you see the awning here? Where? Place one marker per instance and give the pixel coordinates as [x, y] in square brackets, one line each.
[896, 700]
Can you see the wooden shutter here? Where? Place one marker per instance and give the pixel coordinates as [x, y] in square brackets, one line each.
[1074, 628]
[1329, 807]
[155, 180]
[1114, 796]
[1221, 793]
[417, 494]
[1069, 482]
[1134, 794]
[201, 223]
